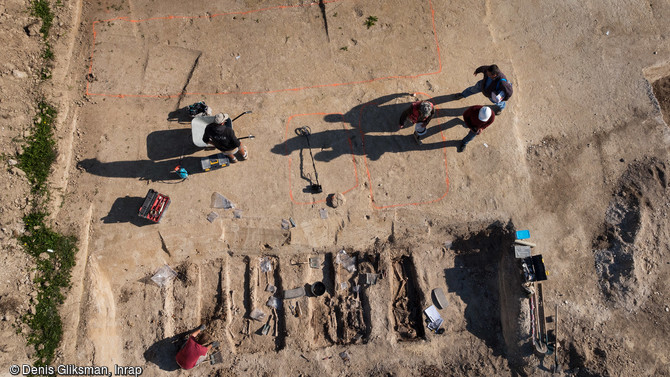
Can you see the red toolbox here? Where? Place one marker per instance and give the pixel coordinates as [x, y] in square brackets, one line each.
[154, 206]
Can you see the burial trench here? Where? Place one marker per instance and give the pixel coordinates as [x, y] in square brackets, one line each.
[485, 281]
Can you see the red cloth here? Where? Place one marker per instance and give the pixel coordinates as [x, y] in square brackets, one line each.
[471, 118]
[413, 113]
[188, 356]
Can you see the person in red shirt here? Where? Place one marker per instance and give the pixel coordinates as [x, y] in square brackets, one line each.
[195, 350]
[476, 119]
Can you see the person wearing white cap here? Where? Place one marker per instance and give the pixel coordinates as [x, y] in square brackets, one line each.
[476, 118]
[418, 114]
[220, 134]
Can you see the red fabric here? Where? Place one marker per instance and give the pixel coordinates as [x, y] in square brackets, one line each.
[471, 118]
[415, 114]
[189, 354]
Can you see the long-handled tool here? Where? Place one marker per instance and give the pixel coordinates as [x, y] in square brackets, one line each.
[246, 137]
[306, 131]
[557, 367]
[246, 112]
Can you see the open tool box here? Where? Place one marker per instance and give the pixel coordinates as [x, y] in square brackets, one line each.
[154, 206]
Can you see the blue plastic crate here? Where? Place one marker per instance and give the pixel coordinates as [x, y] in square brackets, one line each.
[522, 234]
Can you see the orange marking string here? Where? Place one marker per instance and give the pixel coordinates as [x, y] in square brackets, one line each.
[367, 169]
[176, 95]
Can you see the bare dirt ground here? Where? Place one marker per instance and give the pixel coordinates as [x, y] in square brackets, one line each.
[579, 157]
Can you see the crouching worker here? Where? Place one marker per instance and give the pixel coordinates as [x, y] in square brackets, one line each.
[220, 134]
[476, 118]
[195, 350]
[418, 114]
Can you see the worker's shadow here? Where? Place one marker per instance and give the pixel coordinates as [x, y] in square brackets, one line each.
[474, 278]
[383, 114]
[165, 149]
[144, 170]
[378, 124]
[371, 129]
[166, 144]
[163, 352]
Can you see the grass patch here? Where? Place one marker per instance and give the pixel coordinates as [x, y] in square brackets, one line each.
[42, 9]
[53, 253]
[40, 152]
[54, 257]
[371, 21]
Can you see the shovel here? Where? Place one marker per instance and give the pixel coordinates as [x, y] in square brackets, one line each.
[306, 131]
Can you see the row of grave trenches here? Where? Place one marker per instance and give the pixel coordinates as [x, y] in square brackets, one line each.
[372, 296]
[268, 302]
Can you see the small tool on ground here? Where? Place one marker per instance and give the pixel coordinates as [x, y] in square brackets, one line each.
[181, 172]
[305, 131]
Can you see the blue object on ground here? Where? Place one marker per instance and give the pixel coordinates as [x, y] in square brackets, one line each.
[522, 234]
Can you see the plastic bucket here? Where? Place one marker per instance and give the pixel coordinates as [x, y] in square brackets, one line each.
[318, 288]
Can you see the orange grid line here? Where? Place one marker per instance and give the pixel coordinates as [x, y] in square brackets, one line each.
[162, 96]
[367, 170]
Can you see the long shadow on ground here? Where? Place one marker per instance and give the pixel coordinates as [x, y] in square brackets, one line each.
[474, 278]
[377, 125]
[163, 352]
[145, 170]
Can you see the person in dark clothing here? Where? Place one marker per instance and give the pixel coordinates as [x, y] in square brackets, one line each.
[476, 118]
[418, 114]
[494, 86]
[220, 134]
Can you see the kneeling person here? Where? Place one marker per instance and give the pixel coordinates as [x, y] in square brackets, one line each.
[220, 134]
[418, 114]
[195, 350]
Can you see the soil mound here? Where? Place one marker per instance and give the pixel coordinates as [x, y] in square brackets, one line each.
[625, 252]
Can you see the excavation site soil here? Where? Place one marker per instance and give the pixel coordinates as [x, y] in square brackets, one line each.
[346, 282]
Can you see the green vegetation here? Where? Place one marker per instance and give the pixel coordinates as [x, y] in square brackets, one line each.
[54, 256]
[53, 253]
[41, 9]
[371, 21]
[39, 154]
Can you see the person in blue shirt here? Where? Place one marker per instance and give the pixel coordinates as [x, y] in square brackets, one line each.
[494, 86]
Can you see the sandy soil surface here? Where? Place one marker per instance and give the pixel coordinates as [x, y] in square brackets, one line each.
[579, 158]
